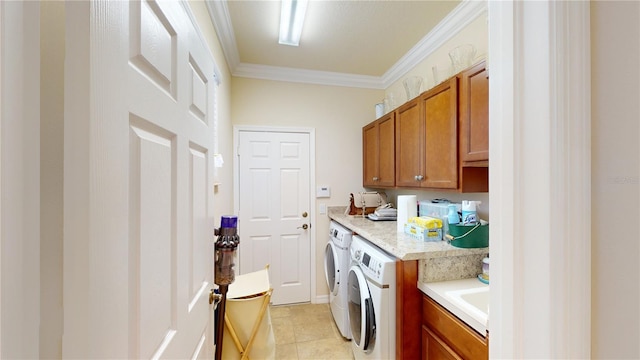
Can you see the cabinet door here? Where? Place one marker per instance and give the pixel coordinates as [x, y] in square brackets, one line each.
[370, 154]
[378, 148]
[433, 348]
[386, 150]
[440, 153]
[474, 114]
[457, 335]
[409, 144]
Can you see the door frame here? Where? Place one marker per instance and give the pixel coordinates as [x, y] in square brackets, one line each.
[20, 180]
[237, 129]
[540, 154]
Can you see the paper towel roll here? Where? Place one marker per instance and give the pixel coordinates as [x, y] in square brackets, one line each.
[407, 208]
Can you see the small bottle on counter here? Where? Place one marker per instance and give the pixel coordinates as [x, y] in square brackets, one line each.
[484, 277]
[452, 215]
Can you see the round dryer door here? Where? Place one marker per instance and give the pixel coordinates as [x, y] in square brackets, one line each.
[331, 267]
[361, 312]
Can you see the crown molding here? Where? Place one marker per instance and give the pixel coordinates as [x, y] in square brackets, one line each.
[219, 14]
[277, 73]
[466, 12]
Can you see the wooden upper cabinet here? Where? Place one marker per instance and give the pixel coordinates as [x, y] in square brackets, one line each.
[409, 143]
[441, 138]
[440, 107]
[427, 139]
[474, 115]
[378, 141]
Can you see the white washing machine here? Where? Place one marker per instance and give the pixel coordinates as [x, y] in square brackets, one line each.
[372, 301]
[336, 268]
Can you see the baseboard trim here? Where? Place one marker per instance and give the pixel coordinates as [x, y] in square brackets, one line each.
[320, 299]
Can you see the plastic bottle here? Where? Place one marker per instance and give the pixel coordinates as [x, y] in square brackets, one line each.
[452, 216]
[469, 214]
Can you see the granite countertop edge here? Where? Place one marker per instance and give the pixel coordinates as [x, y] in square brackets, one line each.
[384, 234]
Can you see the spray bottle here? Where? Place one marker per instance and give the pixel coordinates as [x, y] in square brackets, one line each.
[469, 214]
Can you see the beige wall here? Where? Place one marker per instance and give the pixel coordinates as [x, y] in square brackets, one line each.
[336, 113]
[615, 63]
[476, 33]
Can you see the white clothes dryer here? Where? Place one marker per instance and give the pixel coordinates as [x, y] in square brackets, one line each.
[372, 301]
[336, 268]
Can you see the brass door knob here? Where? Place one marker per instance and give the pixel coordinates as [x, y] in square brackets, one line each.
[304, 226]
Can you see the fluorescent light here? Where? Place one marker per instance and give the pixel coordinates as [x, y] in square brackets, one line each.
[291, 21]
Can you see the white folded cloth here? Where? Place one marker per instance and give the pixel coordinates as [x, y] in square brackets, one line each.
[388, 212]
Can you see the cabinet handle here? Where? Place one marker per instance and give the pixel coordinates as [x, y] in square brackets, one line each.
[375, 178]
[419, 177]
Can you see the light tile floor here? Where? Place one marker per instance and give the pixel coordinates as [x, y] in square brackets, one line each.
[307, 331]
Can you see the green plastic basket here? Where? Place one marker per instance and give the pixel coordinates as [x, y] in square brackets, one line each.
[468, 236]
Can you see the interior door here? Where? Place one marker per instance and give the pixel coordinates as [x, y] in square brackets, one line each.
[138, 244]
[274, 215]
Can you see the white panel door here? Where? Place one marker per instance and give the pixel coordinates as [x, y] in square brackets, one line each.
[274, 207]
[138, 182]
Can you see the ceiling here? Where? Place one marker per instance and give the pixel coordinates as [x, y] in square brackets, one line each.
[363, 43]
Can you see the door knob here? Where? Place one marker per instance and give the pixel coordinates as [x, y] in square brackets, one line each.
[304, 214]
[304, 226]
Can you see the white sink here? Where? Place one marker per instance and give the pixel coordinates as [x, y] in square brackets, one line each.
[474, 301]
[468, 299]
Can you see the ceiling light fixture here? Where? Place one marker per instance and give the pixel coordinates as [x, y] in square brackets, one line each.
[291, 21]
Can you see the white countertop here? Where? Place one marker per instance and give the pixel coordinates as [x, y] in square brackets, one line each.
[384, 234]
[447, 294]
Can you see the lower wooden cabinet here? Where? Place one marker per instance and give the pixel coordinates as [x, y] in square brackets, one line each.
[435, 348]
[444, 336]
[408, 307]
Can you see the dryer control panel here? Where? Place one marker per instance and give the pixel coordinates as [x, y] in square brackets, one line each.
[375, 263]
[340, 235]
